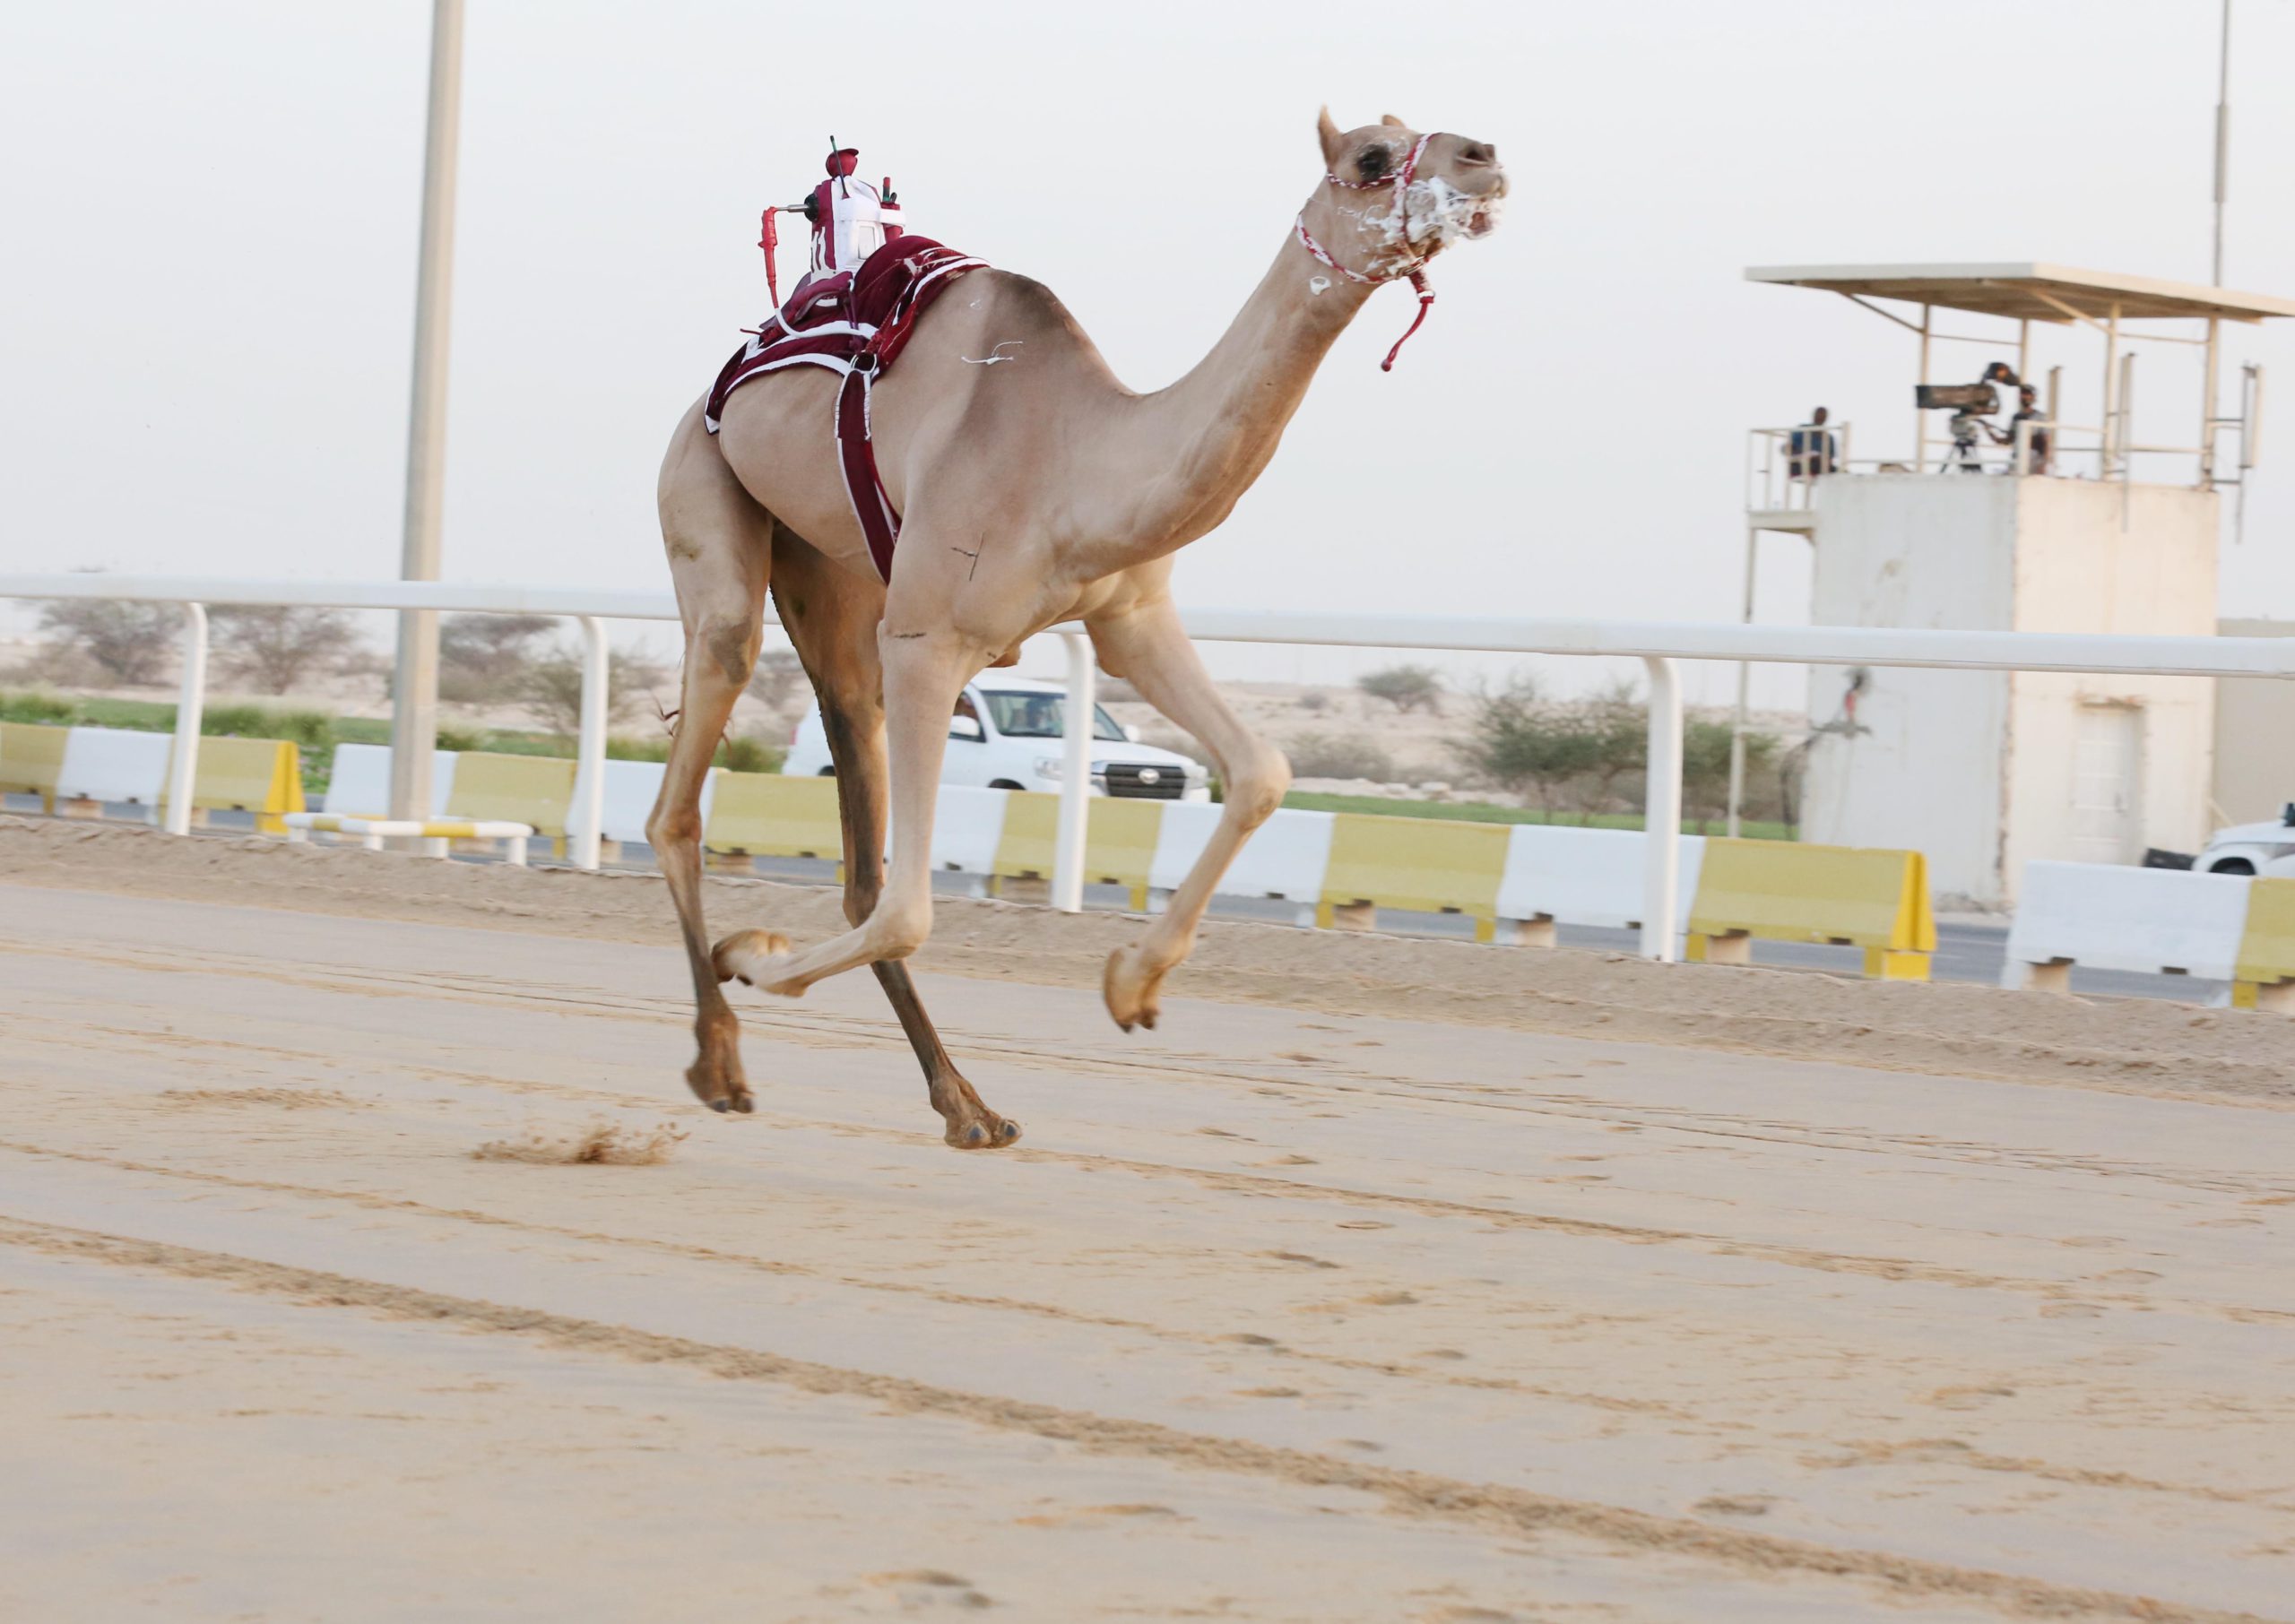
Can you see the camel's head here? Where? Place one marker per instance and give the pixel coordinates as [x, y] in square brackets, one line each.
[1379, 223]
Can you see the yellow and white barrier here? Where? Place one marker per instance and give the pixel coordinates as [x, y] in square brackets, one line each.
[436, 831]
[2161, 921]
[1782, 891]
[98, 766]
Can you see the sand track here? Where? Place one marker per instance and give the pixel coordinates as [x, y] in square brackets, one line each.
[1279, 1313]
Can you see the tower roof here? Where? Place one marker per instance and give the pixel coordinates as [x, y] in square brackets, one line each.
[2031, 292]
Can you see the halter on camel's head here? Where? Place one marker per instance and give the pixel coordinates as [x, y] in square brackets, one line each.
[1441, 189]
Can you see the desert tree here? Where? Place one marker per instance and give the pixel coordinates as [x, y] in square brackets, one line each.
[549, 688]
[485, 657]
[273, 647]
[1522, 744]
[1407, 687]
[128, 642]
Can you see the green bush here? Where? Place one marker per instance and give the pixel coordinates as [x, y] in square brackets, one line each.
[744, 755]
[751, 756]
[46, 709]
[307, 730]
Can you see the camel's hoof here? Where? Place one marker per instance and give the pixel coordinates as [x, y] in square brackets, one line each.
[1130, 995]
[739, 955]
[994, 1134]
[719, 1091]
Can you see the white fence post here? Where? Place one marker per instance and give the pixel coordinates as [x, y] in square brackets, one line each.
[183, 765]
[1075, 776]
[1662, 817]
[587, 814]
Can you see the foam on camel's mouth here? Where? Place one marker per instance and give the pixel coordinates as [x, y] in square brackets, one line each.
[1440, 214]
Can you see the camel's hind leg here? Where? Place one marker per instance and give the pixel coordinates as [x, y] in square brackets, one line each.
[720, 547]
[834, 630]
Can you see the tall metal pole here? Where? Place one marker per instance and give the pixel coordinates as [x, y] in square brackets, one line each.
[415, 689]
[2223, 144]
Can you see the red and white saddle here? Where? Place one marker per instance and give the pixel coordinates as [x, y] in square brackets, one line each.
[855, 324]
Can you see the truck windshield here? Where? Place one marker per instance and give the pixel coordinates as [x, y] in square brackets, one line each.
[1042, 716]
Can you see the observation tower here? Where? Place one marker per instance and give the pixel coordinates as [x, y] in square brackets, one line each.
[2059, 520]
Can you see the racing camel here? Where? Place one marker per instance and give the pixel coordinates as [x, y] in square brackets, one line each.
[1026, 487]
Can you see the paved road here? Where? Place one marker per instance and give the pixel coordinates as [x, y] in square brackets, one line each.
[1272, 1315]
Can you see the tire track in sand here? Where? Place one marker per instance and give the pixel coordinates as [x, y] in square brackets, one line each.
[1409, 1493]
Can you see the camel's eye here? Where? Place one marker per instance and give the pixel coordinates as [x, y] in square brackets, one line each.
[1374, 162]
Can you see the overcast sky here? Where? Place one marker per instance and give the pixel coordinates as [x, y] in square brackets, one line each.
[210, 213]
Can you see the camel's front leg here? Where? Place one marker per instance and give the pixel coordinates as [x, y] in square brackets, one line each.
[923, 675]
[1155, 655]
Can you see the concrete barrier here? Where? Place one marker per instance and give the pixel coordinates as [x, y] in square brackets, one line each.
[1118, 842]
[264, 776]
[774, 815]
[114, 765]
[533, 789]
[1284, 861]
[1780, 891]
[358, 780]
[2263, 974]
[967, 831]
[631, 788]
[85, 768]
[1579, 877]
[2159, 921]
[32, 760]
[1429, 864]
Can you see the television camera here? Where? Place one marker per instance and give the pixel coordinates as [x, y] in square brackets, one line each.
[1971, 404]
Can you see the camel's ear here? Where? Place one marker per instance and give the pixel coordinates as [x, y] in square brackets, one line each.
[1391, 121]
[1334, 142]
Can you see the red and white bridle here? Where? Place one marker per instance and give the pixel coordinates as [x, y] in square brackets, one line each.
[1413, 268]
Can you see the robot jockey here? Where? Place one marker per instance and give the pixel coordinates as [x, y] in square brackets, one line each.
[851, 219]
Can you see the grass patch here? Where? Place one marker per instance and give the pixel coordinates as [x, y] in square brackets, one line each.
[1484, 812]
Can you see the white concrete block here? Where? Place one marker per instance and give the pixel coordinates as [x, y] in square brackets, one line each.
[359, 784]
[114, 765]
[1585, 877]
[2109, 917]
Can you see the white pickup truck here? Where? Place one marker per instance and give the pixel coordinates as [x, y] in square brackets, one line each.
[1007, 735]
[2252, 848]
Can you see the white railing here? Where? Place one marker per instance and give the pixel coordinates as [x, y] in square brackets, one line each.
[1656, 643]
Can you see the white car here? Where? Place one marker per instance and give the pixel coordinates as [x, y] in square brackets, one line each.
[2251, 847]
[1005, 735]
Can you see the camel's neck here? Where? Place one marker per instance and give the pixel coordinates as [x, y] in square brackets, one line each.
[1197, 445]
